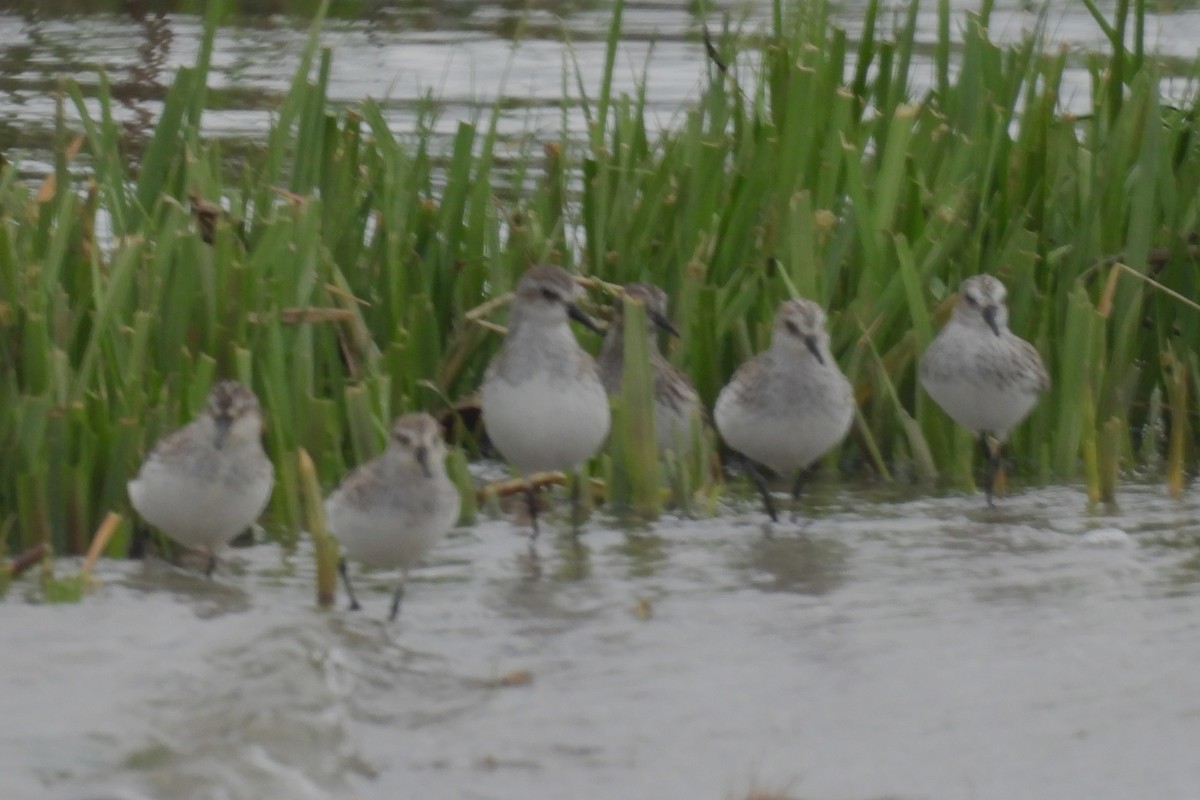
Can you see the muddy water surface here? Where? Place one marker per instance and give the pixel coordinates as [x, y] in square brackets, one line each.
[911, 648]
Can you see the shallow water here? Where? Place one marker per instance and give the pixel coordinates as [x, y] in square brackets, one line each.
[467, 54]
[884, 648]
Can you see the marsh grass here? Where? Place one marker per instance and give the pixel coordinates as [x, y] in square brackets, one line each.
[636, 474]
[337, 280]
[325, 550]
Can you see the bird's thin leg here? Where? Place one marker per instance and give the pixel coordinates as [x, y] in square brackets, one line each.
[797, 490]
[531, 499]
[139, 540]
[345, 573]
[798, 486]
[576, 516]
[761, 484]
[991, 461]
[998, 477]
[533, 563]
[397, 596]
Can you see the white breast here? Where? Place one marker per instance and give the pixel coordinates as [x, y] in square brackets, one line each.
[792, 436]
[387, 535]
[542, 423]
[985, 383]
[198, 512]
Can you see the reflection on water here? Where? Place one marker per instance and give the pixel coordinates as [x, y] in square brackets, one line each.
[207, 598]
[467, 54]
[461, 52]
[645, 550]
[797, 563]
[147, 80]
[915, 647]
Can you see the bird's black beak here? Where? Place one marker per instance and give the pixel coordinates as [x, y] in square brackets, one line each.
[423, 460]
[224, 423]
[583, 319]
[989, 316]
[811, 343]
[663, 323]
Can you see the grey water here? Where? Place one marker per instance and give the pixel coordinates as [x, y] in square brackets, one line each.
[534, 59]
[881, 645]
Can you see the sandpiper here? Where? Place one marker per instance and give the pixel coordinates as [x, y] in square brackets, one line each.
[981, 374]
[790, 404]
[543, 404]
[676, 403]
[208, 481]
[390, 511]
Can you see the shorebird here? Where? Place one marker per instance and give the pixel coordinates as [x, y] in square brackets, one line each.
[676, 403]
[208, 481]
[390, 511]
[543, 404]
[790, 404]
[982, 374]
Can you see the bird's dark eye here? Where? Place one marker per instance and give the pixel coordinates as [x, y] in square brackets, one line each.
[550, 295]
[793, 328]
[971, 301]
[404, 440]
